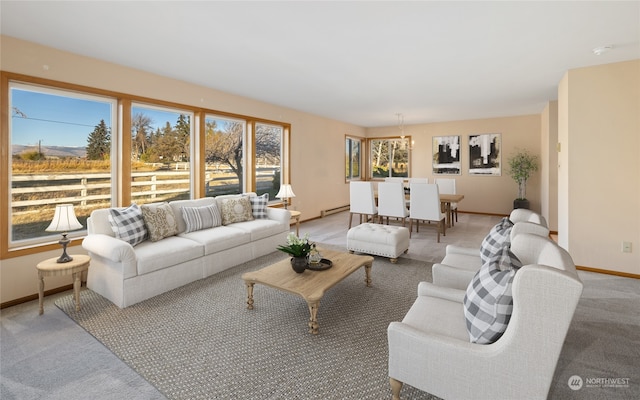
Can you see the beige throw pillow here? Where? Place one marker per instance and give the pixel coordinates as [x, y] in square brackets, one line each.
[160, 220]
[236, 209]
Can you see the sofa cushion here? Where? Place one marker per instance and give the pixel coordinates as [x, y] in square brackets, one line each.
[154, 256]
[197, 218]
[488, 302]
[160, 220]
[259, 228]
[236, 209]
[435, 315]
[259, 206]
[498, 237]
[128, 225]
[219, 238]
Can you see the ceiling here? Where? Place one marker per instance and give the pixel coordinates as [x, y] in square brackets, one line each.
[360, 62]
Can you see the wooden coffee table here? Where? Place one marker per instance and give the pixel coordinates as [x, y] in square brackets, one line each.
[310, 285]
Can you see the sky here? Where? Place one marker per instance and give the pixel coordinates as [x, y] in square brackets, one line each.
[56, 120]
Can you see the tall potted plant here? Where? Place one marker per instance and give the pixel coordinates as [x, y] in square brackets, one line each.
[521, 165]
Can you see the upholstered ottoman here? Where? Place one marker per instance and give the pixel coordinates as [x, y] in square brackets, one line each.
[379, 240]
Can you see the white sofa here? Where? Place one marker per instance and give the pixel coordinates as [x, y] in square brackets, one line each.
[127, 275]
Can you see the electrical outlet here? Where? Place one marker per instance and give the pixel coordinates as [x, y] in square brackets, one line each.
[626, 247]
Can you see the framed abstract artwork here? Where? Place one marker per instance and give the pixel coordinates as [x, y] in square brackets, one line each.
[485, 151]
[446, 155]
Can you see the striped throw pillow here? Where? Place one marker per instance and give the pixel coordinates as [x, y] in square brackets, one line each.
[197, 218]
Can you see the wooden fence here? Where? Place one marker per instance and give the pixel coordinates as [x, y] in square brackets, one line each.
[94, 189]
[90, 188]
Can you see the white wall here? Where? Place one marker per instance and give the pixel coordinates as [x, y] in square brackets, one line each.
[599, 181]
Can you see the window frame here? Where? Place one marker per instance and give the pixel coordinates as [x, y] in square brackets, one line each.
[407, 144]
[59, 92]
[121, 150]
[253, 142]
[192, 152]
[246, 129]
[350, 140]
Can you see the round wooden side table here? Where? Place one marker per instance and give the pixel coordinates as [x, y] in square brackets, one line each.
[51, 267]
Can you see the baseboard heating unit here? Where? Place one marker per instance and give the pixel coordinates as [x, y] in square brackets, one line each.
[330, 211]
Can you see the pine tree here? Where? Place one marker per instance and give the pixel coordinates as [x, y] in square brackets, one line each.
[99, 142]
[183, 131]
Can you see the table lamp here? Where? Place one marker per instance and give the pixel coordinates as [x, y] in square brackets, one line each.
[285, 193]
[64, 220]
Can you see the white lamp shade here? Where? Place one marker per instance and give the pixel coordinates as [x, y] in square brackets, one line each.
[285, 192]
[64, 219]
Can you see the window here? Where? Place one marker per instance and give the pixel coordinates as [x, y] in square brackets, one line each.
[71, 144]
[352, 158]
[268, 141]
[224, 140]
[389, 157]
[61, 152]
[160, 154]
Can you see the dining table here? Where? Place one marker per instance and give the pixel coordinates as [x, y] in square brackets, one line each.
[445, 200]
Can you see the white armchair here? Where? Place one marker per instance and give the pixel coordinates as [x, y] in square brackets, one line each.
[430, 349]
[460, 263]
[523, 214]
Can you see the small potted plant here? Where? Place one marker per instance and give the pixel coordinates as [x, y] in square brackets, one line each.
[521, 165]
[299, 249]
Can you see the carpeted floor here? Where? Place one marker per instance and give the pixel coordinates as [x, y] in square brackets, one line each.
[200, 342]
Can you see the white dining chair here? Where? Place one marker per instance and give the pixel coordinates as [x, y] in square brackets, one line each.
[425, 206]
[391, 201]
[362, 200]
[448, 186]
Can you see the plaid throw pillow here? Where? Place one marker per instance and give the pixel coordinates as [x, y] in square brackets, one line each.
[488, 302]
[128, 224]
[198, 218]
[498, 237]
[259, 206]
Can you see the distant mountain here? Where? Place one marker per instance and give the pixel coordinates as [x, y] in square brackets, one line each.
[51, 151]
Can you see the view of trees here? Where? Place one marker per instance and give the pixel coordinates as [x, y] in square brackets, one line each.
[167, 144]
[389, 157]
[224, 145]
[99, 142]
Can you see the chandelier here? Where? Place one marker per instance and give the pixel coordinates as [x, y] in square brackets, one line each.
[404, 144]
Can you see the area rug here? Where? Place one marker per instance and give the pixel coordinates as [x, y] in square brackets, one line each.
[201, 342]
